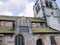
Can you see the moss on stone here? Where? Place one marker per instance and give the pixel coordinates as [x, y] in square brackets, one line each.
[12, 18]
[6, 30]
[42, 30]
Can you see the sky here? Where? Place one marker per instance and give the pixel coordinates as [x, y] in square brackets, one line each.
[18, 7]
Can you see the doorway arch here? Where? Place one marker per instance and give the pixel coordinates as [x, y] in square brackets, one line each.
[19, 40]
[39, 42]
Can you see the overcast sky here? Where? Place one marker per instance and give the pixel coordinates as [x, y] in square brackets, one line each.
[18, 7]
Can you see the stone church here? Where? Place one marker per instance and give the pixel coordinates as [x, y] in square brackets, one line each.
[42, 29]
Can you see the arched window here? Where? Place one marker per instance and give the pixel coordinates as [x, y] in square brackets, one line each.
[47, 3]
[53, 42]
[19, 40]
[39, 42]
[50, 4]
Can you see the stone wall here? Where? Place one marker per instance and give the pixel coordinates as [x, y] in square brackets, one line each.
[32, 39]
[46, 39]
[9, 40]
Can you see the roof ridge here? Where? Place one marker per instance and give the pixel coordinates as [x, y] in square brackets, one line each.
[52, 28]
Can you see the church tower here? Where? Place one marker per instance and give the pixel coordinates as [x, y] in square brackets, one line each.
[49, 11]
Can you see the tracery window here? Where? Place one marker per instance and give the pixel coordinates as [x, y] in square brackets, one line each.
[19, 40]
